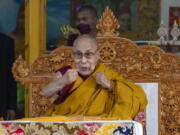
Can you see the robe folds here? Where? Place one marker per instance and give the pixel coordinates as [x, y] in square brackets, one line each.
[87, 98]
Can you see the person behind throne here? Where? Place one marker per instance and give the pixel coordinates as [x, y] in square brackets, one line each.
[85, 24]
[91, 88]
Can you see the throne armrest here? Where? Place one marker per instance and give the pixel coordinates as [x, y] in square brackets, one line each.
[22, 74]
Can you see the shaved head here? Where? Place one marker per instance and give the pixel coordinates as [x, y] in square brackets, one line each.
[88, 38]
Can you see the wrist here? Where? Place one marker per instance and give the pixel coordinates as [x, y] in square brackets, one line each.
[62, 82]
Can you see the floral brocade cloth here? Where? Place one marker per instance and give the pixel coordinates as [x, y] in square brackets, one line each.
[70, 128]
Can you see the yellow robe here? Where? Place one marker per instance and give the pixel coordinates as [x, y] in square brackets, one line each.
[90, 99]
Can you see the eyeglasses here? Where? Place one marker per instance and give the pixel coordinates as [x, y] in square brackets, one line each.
[88, 54]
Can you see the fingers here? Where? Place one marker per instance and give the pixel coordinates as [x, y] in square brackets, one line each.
[102, 80]
[65, 29]
[72, 73]
[57, 76]
[70, 76]
[100, 77]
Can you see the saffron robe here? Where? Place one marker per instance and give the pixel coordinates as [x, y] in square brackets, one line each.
[87, 98]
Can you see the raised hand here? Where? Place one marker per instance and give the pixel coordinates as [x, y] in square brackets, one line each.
[102, 80]
[70, 76]
[65, 29]
[59, 82]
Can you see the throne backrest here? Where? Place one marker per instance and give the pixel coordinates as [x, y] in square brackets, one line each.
[136, 63]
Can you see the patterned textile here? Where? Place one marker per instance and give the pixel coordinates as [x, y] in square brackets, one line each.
[70, 128]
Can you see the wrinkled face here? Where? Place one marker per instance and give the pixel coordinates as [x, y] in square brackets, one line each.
[86, 56]
[87, 18]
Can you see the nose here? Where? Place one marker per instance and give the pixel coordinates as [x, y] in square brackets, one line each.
[84, 59]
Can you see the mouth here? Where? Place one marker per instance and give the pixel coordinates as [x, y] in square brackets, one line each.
[84, 69]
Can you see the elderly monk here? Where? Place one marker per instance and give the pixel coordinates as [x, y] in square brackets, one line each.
[92, 89]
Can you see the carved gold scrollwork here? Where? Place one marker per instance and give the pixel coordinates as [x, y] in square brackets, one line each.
[135, 67]
[156, 60]
[20, 69]
[107, 53]
[107, 24]
[170, 106]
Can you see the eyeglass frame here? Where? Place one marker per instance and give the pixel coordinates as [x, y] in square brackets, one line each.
[85, 54]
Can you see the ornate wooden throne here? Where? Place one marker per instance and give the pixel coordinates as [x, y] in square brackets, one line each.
[136, 63]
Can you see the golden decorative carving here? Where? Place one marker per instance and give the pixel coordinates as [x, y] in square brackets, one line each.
[107, 52]
[107, 24]
[20, 69]
[136, 63]
[170, 106]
